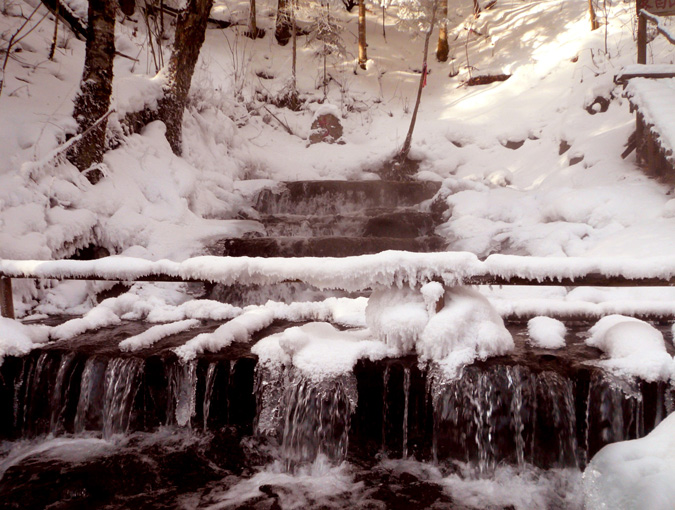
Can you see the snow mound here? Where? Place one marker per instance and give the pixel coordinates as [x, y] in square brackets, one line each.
[635, 348]
[466, 328]
[17, 339]
[319, 350]
[546, 332]
[634, 475]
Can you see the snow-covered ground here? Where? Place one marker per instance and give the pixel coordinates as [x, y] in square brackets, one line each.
[563, 192]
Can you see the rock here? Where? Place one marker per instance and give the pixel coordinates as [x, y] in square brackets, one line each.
[326, 127]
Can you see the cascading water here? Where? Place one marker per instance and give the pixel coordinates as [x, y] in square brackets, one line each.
[308, 418]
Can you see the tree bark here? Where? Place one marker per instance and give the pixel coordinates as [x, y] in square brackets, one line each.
[252, 23]
[442, 48]
[93, 100]
[190, 35]
[405, 150]
[594, 18]
[283, 28]
[363, 55]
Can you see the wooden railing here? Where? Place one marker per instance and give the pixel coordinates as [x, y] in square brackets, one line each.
[385, 269]
[643, 17]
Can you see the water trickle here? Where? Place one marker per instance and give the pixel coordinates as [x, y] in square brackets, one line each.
[385, 406]
[89, 404]
[615, 411]
[61, 392]
[504, 413]
[120, 390]
[268, 390]
[208, 392]
[406, 403]
[316, 419]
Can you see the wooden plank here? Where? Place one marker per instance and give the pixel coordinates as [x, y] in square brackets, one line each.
[587, 280]
[6, 298]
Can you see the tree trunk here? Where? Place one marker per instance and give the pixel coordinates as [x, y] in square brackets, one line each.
[252, 24]
[363, 55]
[594, 18]
[405, 150]
[190, 35]
[442, 48]
[93, 100]
[283, 28]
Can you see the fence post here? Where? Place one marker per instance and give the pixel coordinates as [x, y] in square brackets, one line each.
[641, 38]
[6, 298]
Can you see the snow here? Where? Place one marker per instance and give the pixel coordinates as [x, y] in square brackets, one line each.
[546, 332]
[319, 350]
[655, 100]
[17, 339]
[632, 475]
[255, 318]
[634, 348]
[155, 334]
[466, 329]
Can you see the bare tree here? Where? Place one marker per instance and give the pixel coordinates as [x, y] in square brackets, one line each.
[190, 35]
[594, 18]
[442, 48]
[93, 100]
[405, 150]
[252, 22]
[363, 55]
[283, 29]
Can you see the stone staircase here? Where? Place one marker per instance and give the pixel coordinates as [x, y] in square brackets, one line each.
[340, 219]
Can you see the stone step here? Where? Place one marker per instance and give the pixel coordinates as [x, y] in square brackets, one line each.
[322, 246]
[336, 197]
[376, 222]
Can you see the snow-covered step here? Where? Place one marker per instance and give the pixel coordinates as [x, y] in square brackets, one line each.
[335, 197]
[322, 246]
[376, 222]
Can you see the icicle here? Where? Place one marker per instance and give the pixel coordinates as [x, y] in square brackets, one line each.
[184, 391]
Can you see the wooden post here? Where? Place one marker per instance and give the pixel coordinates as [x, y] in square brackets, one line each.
[6, 299]
[641, 39]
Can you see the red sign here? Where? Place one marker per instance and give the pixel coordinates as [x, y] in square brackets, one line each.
[660, 7]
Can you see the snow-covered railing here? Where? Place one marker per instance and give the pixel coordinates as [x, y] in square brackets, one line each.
[386, 269]
[643, 17]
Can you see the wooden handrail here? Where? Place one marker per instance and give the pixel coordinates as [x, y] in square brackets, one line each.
[643, 17]
[449, 268]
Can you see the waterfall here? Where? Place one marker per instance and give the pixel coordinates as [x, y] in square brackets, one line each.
[121, 386]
